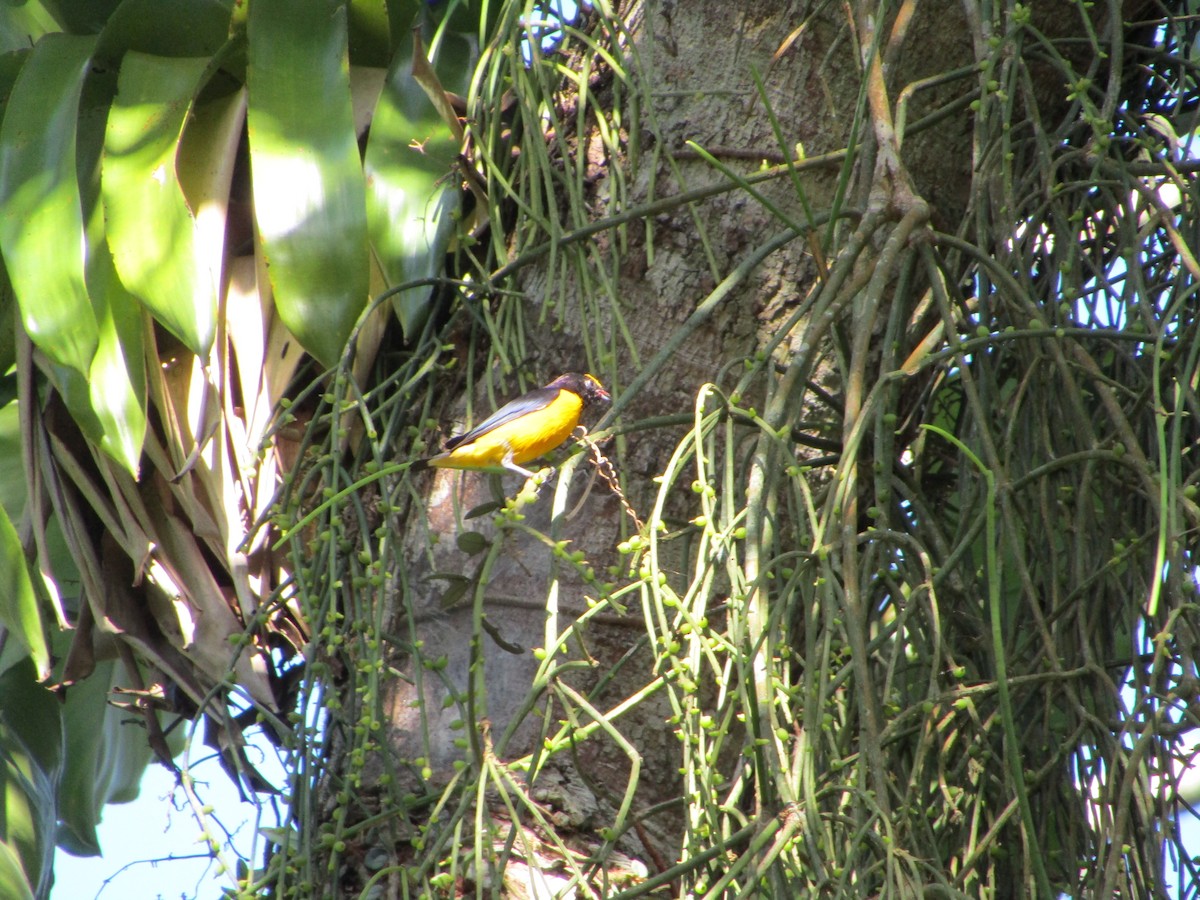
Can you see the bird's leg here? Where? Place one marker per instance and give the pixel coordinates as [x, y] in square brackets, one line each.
[508, 463]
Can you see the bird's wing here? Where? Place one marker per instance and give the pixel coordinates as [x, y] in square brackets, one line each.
[523, 405]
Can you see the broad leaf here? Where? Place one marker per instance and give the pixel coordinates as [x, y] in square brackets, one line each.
[414, 195]
[369, 36]
[13, 882]
[195, 28]
[151, 229]
[106, 756]
[117, 380]
[18, 603]
[308, 180]
[41, 218]
[30, 767]
[22, 24]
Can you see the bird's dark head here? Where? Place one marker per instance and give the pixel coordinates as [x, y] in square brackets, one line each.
[586, 386]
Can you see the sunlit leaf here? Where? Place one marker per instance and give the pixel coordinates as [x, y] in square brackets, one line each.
[22, 24]
[118, 376]
[13, 883]
[205, 164]
[308, 180]
[150, 228]
[41, 219]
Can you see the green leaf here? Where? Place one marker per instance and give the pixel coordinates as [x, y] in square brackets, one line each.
[308, 180]
[13, 883]
[41, 218]
[195, 28]
[83, 16]
[30, 766]
[33, 714]
[402, 14]
[13, 488]
[414, 197]
[18, 602]
[22, 25]
[76, 393]
[10, 69]
[464, 16]
[117, 381]
[150, 228]
[472, 542]
[106, 757]
[369, 36]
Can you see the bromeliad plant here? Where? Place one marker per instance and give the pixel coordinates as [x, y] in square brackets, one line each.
[197, 203]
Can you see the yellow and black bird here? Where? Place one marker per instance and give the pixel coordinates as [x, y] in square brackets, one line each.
[526, 428]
